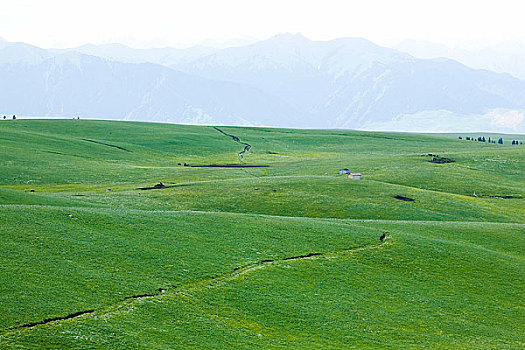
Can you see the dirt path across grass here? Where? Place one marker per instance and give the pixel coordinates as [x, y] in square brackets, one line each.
[216, 212]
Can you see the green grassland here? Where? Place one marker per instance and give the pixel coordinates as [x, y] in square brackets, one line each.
[282, 256]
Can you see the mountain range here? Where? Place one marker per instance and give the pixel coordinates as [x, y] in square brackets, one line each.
[505, 57]
[285, 81]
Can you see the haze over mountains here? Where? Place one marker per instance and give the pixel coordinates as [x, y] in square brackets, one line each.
[506, 57]
[287, 80]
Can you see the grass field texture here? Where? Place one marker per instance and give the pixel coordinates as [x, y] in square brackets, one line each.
[281, 253]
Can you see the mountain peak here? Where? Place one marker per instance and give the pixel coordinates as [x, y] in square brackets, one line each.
[287, 37]
[107, 46]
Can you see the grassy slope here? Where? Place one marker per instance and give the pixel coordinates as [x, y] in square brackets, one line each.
[453, 284]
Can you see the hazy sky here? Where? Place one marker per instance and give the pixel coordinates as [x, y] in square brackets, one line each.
[152, 23]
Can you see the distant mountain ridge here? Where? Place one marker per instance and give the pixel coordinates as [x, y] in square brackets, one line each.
[507, 57]
[287, 80]
[74, 84]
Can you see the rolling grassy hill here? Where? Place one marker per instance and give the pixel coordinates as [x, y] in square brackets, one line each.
[283, 255]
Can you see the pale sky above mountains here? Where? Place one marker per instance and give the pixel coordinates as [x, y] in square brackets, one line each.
[157, 23]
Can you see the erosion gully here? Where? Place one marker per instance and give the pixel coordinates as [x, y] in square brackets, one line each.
[208, 283]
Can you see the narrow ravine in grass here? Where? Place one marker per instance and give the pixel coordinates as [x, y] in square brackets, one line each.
[246, 148]
[56, 319]
[202, 284]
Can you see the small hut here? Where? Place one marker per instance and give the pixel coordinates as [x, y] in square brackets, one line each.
[356, 176]
[344, 171]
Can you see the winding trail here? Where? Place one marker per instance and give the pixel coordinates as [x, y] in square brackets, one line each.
[247, 146]
[216, 212]
[187, 289]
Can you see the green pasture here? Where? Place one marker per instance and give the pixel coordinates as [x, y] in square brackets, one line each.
[282, 256]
